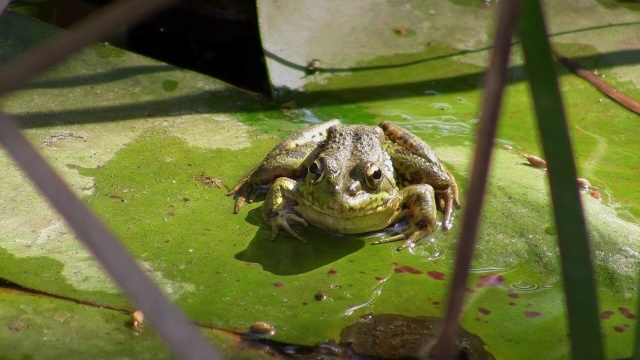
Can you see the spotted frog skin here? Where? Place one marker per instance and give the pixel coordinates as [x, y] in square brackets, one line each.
[352, 179]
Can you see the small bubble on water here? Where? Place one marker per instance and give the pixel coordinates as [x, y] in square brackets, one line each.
[441, 106]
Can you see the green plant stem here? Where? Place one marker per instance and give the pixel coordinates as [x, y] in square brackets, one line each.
[577, 271]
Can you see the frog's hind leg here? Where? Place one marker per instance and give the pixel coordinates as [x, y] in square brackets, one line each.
[416, 163]
[420, 211]
[408, 141]
[289, 158]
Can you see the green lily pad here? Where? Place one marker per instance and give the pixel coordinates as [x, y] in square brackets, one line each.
[150, 148]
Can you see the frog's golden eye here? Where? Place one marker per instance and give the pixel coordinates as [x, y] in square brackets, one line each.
[316, 171]
[373, 175]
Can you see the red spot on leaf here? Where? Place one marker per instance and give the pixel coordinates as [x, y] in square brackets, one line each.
[532, 314]
[278, 284]
[512, 304]
[407, 269]
[379, 278]
[332, 272]
[606, 314]
[477, 319]
[484, 310]
[627, 313]
[436, 275]
[436, 303]
[305, 303]
[618, 329]
[513, 296]
[490, 280]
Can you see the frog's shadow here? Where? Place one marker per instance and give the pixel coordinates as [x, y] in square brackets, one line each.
[289, 256]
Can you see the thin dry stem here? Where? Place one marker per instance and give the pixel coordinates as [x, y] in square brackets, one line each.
[495, 81]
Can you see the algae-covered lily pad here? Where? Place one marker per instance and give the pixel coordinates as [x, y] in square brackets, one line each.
[152, 149]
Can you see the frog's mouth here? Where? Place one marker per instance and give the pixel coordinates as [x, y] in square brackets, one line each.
[351, 217]
[351, 206]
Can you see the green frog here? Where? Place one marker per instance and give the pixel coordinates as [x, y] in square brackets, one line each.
[352, 179]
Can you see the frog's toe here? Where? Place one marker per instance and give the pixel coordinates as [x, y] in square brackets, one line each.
[447, 221]
[406, 244]
[394, 238]
[252, 195]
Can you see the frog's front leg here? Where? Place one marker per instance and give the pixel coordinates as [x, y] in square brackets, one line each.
[416, 163]
[290, 158]
[418, 203]
[277, 209]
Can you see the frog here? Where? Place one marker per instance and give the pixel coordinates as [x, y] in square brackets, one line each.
[352, 179]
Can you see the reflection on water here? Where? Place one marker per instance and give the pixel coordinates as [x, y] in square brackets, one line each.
[374, 295]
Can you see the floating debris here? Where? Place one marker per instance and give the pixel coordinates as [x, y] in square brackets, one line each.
[534, 161]
[262, 329]
[401, 30]
[320, 296]
[63, 135]
[211, 182]
[137, 318]
[116, 197]
[313, 66]
[583, 183]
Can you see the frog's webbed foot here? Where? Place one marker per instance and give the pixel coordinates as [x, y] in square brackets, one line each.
[410, 237]
[281, 221]
[420, 211]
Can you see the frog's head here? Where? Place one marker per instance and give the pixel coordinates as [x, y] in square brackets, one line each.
[343, 187]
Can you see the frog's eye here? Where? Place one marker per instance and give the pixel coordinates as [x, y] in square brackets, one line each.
[373, 175]
[316, 171]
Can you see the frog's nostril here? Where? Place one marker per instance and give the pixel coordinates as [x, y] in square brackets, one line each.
[353, 189]
[333, 189]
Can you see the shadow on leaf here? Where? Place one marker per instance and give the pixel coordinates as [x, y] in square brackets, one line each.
[288, 256]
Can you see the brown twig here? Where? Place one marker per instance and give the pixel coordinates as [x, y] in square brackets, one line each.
[494, 86]
[600, 84]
